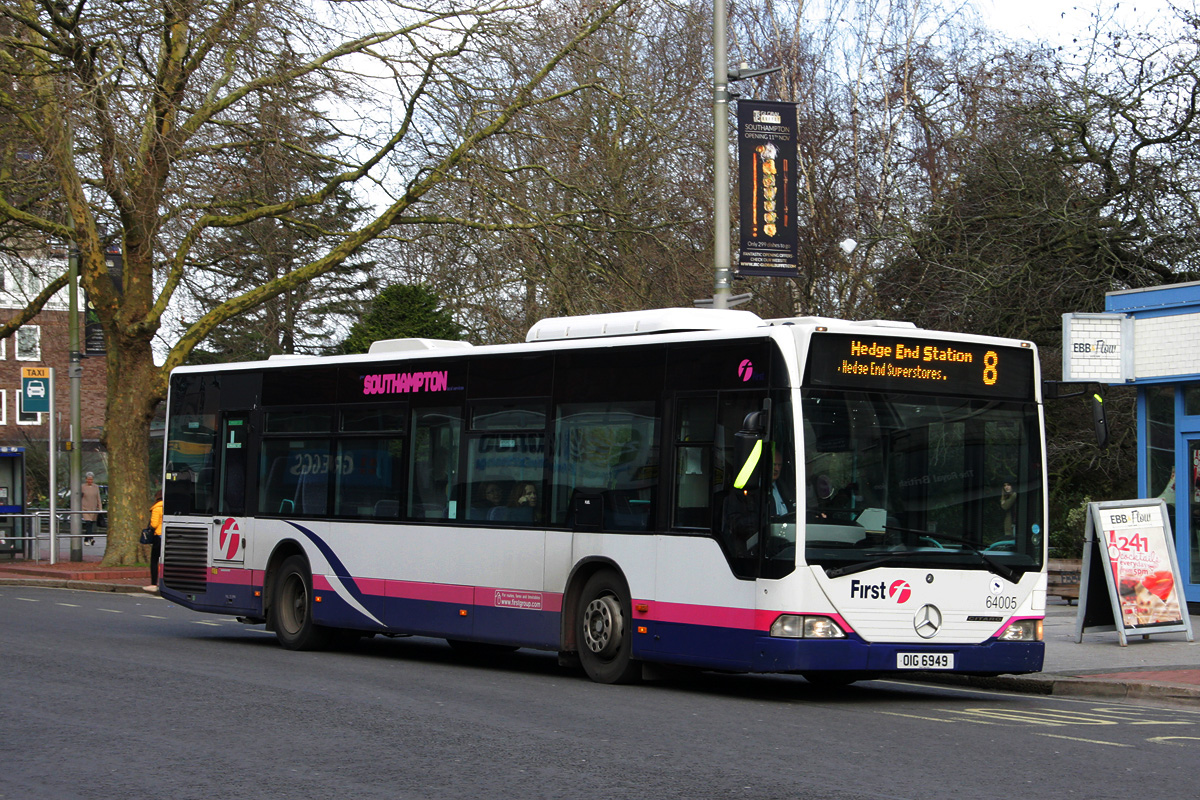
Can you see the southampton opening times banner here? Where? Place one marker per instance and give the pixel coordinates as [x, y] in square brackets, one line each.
[1130, 542]
[767, 188]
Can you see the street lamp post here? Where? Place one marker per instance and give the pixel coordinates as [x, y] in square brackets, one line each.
[722, 263]
[74, 374]
[722, 75]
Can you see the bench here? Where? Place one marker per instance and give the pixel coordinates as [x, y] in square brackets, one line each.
[1063, 578]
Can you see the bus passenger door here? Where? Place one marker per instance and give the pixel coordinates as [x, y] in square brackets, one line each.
[228, 537]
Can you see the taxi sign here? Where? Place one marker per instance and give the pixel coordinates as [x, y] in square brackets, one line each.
[35, 389]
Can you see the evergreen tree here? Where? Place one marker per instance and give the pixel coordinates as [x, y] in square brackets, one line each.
[401, 312]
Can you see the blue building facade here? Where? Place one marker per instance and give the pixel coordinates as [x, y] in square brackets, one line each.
[1150, 338]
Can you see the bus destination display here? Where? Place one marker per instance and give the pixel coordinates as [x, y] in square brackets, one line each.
[900, 364]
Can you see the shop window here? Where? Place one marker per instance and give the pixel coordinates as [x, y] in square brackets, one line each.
[1191, 399]
[1160, 445]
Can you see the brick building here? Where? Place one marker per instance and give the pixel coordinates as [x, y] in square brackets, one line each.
[44, 341]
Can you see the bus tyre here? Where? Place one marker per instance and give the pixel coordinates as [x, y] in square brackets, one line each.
[605, 631]
[292, 608]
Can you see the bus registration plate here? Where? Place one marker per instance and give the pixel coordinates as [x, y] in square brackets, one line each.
[924, 661]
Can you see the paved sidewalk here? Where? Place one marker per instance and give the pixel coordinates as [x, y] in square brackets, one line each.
[86, 574]
[1160, 669]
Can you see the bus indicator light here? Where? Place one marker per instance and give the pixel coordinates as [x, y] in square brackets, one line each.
[642, 608]
[642, 629]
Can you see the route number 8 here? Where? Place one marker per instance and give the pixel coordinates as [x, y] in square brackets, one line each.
[990, 374]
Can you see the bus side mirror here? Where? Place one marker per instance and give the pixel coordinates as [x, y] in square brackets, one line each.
[747, 449]
[1100, 421]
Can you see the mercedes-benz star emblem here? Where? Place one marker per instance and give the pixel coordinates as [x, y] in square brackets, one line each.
[928, 621]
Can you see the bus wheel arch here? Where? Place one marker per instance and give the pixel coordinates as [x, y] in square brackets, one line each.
[291, 606]
[580, 573]
[283, 551]
[603, 625]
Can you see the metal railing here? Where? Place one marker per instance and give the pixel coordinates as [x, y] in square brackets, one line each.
[43, 531]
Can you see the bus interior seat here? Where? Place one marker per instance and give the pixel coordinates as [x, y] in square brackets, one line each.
[272, 491]
[519, 514]
[586, 511]
[312, 493]
[387, 508]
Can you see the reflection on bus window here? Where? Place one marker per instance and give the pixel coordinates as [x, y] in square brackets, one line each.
[294, 476]
[609, 451]
[190, 482]
[368, 477]
[433, 464]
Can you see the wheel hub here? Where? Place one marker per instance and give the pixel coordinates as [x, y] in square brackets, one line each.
[602, 626]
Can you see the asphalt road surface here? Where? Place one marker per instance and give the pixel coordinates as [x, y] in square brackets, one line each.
[128, 696]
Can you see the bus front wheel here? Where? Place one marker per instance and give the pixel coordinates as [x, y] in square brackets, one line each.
[605, 632]
[292, 608]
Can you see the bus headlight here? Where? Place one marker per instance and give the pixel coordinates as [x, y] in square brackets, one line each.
[1023, 630]
[795, 626]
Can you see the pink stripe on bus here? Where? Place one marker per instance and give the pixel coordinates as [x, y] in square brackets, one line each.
[531, 600]
[232, 576]
[437, 592]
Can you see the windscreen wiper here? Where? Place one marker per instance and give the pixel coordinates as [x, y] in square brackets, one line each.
[863, 566]
[1003, 570]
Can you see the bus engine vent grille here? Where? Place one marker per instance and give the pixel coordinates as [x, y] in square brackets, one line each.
[185, 559]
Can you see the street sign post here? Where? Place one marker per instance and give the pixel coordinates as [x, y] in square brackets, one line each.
[37, 397]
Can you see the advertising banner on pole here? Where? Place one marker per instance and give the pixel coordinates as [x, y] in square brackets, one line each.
[767, 188]
[93, 331]
[1130, 542]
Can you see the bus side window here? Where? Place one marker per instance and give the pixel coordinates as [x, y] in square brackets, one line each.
[433, 463]
[609, 450]
[695, 427]
[368, 477]
[295, 476]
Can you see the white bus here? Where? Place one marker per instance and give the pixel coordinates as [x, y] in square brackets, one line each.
[682, 486]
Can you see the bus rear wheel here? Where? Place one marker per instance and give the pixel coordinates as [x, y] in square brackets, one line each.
[605, 632]
[292, 608]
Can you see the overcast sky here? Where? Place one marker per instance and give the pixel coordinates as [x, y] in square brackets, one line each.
[1057, 21]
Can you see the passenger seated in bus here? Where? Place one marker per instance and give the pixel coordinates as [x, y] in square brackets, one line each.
[523, 503]
[490, 496]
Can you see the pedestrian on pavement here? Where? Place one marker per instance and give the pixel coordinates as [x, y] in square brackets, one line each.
[90, 503]
[156, 515]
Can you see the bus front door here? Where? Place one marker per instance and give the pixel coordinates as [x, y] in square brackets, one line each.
[230, 528]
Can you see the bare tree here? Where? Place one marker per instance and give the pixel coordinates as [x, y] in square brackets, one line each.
[135, 117]
[600, 202]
